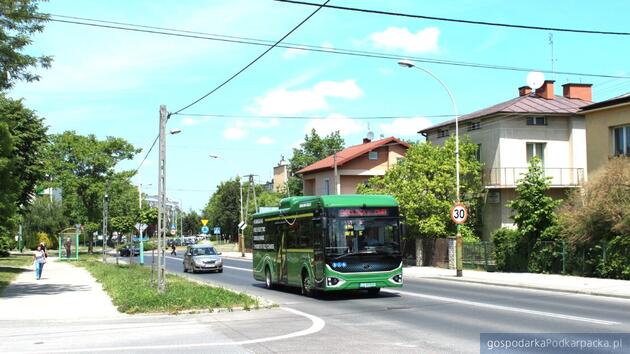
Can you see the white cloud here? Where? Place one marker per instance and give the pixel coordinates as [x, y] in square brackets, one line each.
[265, 140]
[189, 121]
[327, 45]
[423, 41]
[334, 122]
[405, 126]
[234, 133]
[283, 101]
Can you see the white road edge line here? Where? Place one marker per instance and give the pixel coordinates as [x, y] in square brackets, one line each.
[316, 326]
[506, 308]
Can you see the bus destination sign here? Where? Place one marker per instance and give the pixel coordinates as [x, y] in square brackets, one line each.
[362, 212]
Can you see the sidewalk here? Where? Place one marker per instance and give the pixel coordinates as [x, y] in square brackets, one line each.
[553, 282]
[236, 255]
[65, 292]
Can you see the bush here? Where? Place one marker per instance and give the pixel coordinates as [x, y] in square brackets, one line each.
[40, 237]
[510, 250]
[6, 244]
[617, 263]
[546, 254]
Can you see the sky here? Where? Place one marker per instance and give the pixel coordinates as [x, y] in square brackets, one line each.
[109, 82]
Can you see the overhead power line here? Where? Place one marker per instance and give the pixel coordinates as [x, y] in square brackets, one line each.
[147, 154]
[312, 48]
[470, 22]
[213, 115]
[253, 61]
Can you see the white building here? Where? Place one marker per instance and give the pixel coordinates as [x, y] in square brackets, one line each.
[510, 133]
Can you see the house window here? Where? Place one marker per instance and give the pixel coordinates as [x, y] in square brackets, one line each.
[536, 149]
[478, 153]
[373, 155]
[442, 133]
[474, 126]
[326, 186]
[621, 141]
[536, 120]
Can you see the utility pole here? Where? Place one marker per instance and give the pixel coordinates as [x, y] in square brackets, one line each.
[250, 188]
[241, 243]
[105, 217]
[161, 281]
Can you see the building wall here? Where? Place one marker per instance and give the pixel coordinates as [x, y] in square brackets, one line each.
[314, 182]
[349, 184]
[599, 143]
[280, 177]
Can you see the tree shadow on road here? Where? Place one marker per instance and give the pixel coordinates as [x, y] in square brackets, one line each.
[28, 289]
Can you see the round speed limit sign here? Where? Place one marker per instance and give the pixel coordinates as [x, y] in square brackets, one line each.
[459, 213]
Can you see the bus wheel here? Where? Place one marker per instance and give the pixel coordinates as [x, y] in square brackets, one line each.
[306, 284]
[268, 282]
[374, 291]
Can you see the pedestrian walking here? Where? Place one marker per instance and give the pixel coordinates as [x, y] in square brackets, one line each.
[39, 259]
[173, 249]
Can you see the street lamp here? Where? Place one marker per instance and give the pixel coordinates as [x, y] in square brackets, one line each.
[458, 238]
[241, 243]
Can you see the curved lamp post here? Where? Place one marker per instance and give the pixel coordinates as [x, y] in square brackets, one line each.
[458, 239]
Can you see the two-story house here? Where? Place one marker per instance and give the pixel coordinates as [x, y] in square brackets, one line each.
[607, 131]
[510, 133]
[343, 172]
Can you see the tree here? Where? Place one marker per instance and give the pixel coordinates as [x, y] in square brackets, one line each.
[223, 208]
[81, 166]
[18, 21]
[191, 222]
[424, 185]
[28, 135]
[534, 210]
[313, 149]
[123, 224]
[8, 182]
[44, 215]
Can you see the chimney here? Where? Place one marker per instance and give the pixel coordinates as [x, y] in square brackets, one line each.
[546, 90]
[366, 140]
[581, 91]
[524, 90]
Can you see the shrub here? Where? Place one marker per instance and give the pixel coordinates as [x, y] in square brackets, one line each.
[510, 250]
[6, 244]
[40, 237]
[617, 263]
[546, 254]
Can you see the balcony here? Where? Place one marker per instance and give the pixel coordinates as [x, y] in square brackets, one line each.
[508, 177]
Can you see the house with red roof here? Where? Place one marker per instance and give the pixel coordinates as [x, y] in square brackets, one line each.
[343, 172]
[510, 133]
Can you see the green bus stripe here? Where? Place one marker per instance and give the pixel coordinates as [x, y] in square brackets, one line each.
[288, 217]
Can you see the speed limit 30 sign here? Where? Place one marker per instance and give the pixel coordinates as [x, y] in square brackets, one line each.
[459, 213]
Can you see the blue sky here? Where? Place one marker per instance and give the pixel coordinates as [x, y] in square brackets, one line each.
[111, 83]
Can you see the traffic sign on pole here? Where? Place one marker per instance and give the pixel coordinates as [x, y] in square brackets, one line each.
[205, 230]
[204, 222]
[459, 213]
[217, 230]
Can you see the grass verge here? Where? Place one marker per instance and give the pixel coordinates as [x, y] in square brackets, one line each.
[10, 267]
[130, 290]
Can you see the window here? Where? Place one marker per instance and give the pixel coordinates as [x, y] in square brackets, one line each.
[478, 153]
[373, 155]
[442, 133]
[621, 141]
[326, 186]
[536, 149]
[474, 126]
[536, 120]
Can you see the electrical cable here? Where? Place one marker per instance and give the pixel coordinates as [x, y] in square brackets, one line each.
[253, 61]
[147, 154]
[321, 49]
[471, 22]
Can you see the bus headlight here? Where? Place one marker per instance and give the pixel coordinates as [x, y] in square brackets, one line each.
[334, 282]
[398, 279]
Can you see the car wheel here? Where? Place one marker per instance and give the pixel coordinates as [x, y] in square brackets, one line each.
[220, 270]
[268, 281]
[306, 284]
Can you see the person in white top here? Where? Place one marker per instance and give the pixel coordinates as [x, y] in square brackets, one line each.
[39, 258]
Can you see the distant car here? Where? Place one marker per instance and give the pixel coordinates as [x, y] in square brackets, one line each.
[202, 258]
[126, 251]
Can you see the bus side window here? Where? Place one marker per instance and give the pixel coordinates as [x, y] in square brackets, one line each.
[305, 234]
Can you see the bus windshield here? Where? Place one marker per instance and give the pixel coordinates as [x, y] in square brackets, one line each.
[355, 236]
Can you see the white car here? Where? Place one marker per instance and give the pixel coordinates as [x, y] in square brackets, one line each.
[202, 258]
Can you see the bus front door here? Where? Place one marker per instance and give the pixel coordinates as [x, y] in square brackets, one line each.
[281, 260]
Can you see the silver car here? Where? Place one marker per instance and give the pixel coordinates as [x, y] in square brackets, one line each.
[201, 258]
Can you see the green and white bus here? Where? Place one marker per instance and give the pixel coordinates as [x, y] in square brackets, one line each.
[329, 243]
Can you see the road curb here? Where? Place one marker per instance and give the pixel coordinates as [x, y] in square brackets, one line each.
[524, 286]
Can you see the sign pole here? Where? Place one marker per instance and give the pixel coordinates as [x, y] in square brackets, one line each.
[459, 214]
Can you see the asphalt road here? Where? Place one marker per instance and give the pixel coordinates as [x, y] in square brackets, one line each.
[426, 315]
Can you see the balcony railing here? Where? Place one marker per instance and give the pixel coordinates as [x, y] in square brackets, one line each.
[509, 176]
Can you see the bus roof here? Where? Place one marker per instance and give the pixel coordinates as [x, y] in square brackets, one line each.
[296, 204]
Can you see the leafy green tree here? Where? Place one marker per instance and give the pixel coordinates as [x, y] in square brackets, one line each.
[223, 208]
[19, 20]
[123, 224]
[28, 135]
[44, 216]
[149, 216]
[8, 182]
[313, 149]
[534, 210]
[192, 222]
[81, 166]
[424, 185]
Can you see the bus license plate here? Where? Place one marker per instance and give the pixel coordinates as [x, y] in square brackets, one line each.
[367, 285]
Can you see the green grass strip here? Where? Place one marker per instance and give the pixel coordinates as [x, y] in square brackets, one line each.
[130, 290]
[10, 267]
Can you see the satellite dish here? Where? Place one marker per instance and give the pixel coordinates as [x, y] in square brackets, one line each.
[535, 79]
[370, 136]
